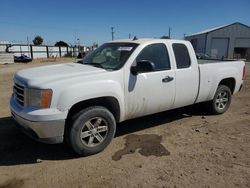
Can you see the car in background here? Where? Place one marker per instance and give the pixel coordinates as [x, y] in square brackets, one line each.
[202, 56]
[22, 59]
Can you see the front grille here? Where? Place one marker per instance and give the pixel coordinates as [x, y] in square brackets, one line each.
[19, 93]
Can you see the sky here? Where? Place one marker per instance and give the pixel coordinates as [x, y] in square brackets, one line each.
[91, 21]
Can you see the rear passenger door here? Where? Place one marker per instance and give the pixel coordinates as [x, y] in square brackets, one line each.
[187, 75]
[151, 92]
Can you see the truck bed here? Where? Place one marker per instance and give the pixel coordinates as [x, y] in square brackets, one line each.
[205, 61]
[213, 71]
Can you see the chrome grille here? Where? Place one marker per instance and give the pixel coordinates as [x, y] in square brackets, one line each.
[19, 93]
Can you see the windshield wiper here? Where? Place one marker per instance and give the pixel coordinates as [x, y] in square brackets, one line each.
[98, 65]
[95, 65]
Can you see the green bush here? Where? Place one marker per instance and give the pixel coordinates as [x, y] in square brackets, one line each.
[61, 43]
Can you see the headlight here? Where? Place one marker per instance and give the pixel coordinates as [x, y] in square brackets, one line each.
[40, 98]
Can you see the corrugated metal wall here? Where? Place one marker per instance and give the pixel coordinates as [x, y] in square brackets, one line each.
[233, 33]
[222, 42]
[200, 42]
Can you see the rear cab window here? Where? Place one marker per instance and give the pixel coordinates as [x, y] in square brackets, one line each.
[182, 57]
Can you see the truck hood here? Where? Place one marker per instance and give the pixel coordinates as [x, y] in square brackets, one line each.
[52, 73]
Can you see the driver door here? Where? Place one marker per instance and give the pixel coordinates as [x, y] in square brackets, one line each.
[151, 92]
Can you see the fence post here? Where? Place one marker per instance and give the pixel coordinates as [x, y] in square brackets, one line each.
[47, 50]
[60, 52]
[31, 52]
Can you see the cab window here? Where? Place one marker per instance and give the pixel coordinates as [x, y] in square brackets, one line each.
[156, 53]
[181, 56]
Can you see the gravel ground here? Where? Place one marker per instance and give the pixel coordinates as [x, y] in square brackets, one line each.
[180, 148]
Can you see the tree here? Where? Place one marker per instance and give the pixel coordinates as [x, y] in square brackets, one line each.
[165, 37]
[95, 45]
[38, 40]
[61, 43]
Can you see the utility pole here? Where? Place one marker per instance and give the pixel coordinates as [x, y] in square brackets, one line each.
[112, 33]
[28, 44]
[74, 47]
[169, 32]
[75, 39]
[78, 41]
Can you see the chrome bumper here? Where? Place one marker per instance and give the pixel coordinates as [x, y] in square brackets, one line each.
[43, 131]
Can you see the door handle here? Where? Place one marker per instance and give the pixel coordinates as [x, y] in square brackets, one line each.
[167, 79]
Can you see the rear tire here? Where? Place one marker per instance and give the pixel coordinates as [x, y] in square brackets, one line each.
[91, 130]
[221, 100]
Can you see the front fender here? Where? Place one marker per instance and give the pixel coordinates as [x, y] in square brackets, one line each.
[90, 90]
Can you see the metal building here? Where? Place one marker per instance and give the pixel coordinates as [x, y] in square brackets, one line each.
[227, 41]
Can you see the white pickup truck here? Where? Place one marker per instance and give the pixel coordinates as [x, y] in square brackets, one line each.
[80, 103]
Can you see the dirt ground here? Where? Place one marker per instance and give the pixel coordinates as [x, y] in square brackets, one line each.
[179, 148]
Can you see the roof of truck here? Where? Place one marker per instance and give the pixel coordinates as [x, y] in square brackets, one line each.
[145, 40]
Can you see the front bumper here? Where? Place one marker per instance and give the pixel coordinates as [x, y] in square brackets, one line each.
[48, 130]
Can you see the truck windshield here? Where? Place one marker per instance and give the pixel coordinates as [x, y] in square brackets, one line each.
[110, 55]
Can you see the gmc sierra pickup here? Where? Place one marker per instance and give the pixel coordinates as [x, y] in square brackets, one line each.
[81, 103]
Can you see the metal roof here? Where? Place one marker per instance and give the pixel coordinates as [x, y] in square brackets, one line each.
[215, 28]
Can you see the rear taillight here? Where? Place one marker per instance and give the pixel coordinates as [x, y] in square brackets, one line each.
[244, 73]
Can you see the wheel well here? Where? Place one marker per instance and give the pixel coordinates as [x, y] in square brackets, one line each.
[229, 82]
[110, 103]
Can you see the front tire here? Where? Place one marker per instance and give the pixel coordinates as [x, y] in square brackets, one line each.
[91, 130]
[221, 100]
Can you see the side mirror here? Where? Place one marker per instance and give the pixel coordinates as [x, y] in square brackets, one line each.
[143, 66]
